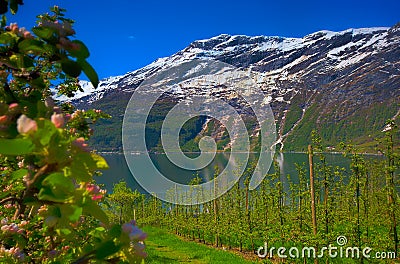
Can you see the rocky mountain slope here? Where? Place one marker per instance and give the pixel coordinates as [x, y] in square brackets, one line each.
[344, 84]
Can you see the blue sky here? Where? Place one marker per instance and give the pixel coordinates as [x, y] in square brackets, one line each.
[125, 35]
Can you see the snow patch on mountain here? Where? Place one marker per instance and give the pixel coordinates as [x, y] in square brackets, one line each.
[276, 51]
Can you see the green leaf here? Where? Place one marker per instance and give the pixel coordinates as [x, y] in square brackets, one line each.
[71, 68]
[79, 168]
[101, 163]
[45, 33]
[115, 231]
[83, 166]
[31, 45]
[71, 212]
[4, 194]
[8, 38]
[82, 52]
[21, 241]
[58, 179]
[19, 174]
[18, 146]
[46, 194]
[39, 83]
[3, 21]
[42, 110]
[106, 249]
[100, 229]
[21, 61]
[92, 208]
[63, 231]
[50, 49]
[77, 171]
[89, 72]
[98, 232]
[57, 188]
[45, 132]
[14, 6]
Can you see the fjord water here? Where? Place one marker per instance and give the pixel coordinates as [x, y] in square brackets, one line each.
[287, 163]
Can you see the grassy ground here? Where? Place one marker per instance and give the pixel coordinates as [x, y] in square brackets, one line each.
[163, 247]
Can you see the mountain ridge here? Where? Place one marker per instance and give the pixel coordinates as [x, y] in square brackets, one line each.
[326, 80]
[88, 88]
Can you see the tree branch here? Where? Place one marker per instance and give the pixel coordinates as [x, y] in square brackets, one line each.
[8, 199]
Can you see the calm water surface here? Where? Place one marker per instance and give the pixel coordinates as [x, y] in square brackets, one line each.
[119, 169]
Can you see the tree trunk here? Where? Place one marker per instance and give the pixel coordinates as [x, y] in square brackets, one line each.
[312, 191]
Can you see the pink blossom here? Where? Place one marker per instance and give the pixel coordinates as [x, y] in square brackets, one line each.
[13, 228]
[4, 221]
[57, 120]
[42, 209]
[17, 253]
[64, 29]
[13, 27]
[25, 33]
[23, 223]
[65, 248]
[67, 117]
[93, 188]
[3, 119]
[97, 197]
[13, 106]
[26, 125]
[28, 35]
[80, 143]
[75, 114]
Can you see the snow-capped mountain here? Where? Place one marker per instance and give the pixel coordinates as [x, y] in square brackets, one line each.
[345, 84]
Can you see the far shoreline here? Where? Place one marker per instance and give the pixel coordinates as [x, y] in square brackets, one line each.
[252, 152]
